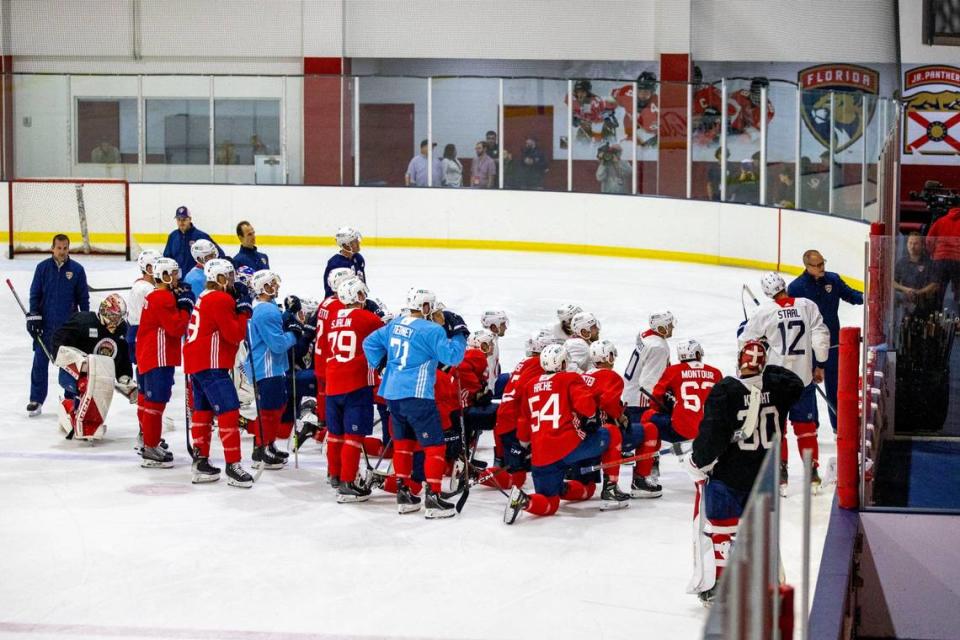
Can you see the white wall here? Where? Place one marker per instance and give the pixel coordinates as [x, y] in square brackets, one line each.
[643, 227]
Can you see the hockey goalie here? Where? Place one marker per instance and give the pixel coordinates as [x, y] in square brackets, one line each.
[93, 358]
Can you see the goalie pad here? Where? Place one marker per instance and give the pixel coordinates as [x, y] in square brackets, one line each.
[95, 395]
[241, 381]
[704, 562]
[71, 360]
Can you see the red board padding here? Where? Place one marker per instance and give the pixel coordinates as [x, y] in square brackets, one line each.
[848, 418]
[786, 612]
[672, 156]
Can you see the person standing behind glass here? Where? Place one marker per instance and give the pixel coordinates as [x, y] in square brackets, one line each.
[484, 169]
[533, 167]
[452, 169]
[613, 173]
[416, 175]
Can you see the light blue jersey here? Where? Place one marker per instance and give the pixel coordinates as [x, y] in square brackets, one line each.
[412, 347]
[269, 343]
[196, 280]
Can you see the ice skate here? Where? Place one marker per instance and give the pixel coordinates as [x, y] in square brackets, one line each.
[156, 458]
[237, 476]
[34, 409]
[352, 492]
[333, 481]
[645, 487]
[518, 502]
[277, 453]
[783, 479]
[707, 597]
[437, 507]
[406, 501]
[203, 471]
[262, 456]
[815, 482]
[375, 479]
[611, 497]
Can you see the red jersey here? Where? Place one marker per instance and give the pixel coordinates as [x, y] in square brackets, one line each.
[214, 333]
[607, 387]
[327, 309]
[647, 119]
[347, 369]
[744, 114]
[550, 413]
[447, 398]
[473, 373]
[507, 412]
[690, 383]
[162, 326]
[707, 99]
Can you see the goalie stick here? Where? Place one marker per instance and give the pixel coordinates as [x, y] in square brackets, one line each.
[746, 290]
[102, 289]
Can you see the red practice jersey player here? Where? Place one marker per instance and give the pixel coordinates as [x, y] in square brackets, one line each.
[607, 386]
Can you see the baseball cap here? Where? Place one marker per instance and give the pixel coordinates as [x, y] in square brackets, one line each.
[182, 212]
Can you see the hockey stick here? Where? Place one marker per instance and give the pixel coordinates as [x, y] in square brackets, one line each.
[823, 395]
[295, 409]
[188, 414]
[750, 293]
[663, 407]
[25, 314]
[101, 289]
[675, 448]
[256, 397]
[466, 454]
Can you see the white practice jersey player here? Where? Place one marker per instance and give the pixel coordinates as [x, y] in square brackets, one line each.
[649, 360]
[578, 355]
[135, 301]
[493, 365]
[794, 329]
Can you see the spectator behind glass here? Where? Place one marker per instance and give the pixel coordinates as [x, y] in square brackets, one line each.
[484, 169]
[416, 175]
[713, 176]
[783, 189]
[493, 148]
[533, 166]
[914, 278]
[452, 171]
[613, 172]
[744, 186]
[105, 153]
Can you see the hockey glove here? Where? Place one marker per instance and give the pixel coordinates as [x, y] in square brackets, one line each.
[517, 458]
[35, 325]
[696, 473]
[483, 399]
[186, 299]
[592, 424]
[292, 304]
[293, 327]
[455, 325]
[241, 292]
[668, 402]
[127, 388]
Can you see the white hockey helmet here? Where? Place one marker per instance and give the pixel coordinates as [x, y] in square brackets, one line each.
[583, 321]
[481, 337]
[347, 235]
[603, 351]
[553, 358]
[418, 298]
[309, 306]
[213, 269]
[772, 284]
[385, 314]
[164, 269]
[689, 350]
[352, 291]
[565, 312]
[203, 250]
[336, 277]
[661, 321]
[540, 339]
[146, 259]
[494, 318]
[263, 278]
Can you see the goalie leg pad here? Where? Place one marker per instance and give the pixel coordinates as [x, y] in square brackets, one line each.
[95, 390]
[723, 508]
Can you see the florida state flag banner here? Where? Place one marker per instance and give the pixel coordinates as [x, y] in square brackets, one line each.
[931, 132]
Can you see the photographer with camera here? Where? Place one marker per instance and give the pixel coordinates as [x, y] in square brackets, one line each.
[613, 173]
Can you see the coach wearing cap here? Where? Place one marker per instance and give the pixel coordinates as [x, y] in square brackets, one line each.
[182, 238]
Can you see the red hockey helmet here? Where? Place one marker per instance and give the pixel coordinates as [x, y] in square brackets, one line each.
[753, 356]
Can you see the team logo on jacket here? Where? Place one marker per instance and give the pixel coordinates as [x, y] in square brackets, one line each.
[933, 111]
[852, 87]
[69, 275]
[828, 288]
[106, 347]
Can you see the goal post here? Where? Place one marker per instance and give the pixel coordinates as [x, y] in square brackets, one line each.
[93, 213]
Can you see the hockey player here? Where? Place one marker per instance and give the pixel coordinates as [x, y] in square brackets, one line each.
[565, 314]
[218, 325]
[349, 389]
[648, 111]
[586, 330]
[799, 341]
[594, 117]
[412, 346]
[163, 323]
[647, 363]
[142, 287]
[496, 323]
[743, 108]
[676, 411]
[348, 242]
[559, 429]
[202, 251]
[723, 466]
[87, 334]
[607, 387]
[270, 340]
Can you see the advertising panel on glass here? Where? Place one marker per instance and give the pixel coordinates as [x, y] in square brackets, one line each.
[535, 134]
[392, 132]
[667, 111]
[814, 150]
[42, 135]
[602, 127]
[705, 113]
[782, 146]
[744, 116]
[871, 138]
[852, 114]
[466, 139]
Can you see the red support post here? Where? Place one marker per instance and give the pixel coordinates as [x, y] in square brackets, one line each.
[848, 418]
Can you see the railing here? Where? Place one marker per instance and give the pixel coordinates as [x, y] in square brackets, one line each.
[777, 145]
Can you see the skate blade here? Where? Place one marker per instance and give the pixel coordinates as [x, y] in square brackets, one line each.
[34, 414]
[271, 467]
[437, 514]
[351, 499]
[240, 484]
[156, 464]
[815, 488]
[407, 508]
[205, 479]
[642, 495]
[614, 505]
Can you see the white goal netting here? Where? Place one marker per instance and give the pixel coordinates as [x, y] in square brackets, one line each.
[93, 213]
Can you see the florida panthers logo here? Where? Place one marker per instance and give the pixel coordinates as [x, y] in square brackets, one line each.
[106, 347]
[853, 89]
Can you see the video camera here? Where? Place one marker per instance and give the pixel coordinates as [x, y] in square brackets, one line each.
[939, 199]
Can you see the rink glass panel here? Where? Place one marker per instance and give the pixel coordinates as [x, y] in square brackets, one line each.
[533, 108]
[393, 119]
[462, 111]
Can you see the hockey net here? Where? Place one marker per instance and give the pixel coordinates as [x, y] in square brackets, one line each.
[95, 214]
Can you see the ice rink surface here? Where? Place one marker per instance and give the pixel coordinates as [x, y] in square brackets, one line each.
[95, 546]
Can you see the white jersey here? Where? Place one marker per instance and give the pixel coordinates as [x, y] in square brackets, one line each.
[559, 333]
[493, 365]
[578, 352]
[794, 329]
[138, 295]
[649, 360]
